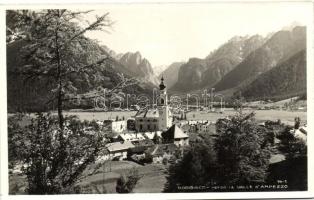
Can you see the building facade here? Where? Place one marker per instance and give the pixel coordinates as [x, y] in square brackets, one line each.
[118, 126]
[147, 120]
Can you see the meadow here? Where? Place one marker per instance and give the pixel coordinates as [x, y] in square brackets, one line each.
[98, 176]
[286, 117]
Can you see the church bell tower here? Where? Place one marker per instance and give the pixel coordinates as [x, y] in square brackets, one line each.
[165, 120]
[163, 93]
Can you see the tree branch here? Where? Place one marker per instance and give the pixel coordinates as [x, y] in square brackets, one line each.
[86, 67]
[100, 22]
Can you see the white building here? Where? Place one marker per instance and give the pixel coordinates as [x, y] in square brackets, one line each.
[118, 126]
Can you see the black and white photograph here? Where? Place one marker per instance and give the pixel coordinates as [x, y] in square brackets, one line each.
[157, 98]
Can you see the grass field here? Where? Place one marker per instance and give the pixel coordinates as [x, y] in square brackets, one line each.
[261, 115]
[82, 115]
[152, 181]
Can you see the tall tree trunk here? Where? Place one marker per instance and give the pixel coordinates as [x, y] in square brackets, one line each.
[59, 95]
[61, 156]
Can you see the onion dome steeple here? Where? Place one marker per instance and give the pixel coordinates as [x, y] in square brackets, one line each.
[162, 85]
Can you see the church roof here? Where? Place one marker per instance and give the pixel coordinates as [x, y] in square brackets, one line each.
[148, 113]
[174, 132]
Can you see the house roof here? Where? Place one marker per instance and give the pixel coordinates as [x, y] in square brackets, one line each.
[137, 149]
[151, 135]
[118, 146]
[131, 136]
[146, 142]
[174, 132]
[301, 133]
[148, 113]
[160, 149]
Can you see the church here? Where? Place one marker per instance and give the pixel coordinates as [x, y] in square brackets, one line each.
[158, 119]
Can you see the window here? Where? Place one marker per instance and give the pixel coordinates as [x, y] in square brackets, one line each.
[141, 126]
[155, 127]
[148, 126]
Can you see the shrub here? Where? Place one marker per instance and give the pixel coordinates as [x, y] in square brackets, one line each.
[165, 161]
[197, 167]
[127, 182]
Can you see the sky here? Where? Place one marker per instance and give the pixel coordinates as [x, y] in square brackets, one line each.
[167, 33]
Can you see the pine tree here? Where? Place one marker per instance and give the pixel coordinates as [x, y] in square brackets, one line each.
[197, 168]
[243, 150]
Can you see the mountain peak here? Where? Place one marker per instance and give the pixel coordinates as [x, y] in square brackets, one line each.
[238, 38]
[138, 66]
[291, 26]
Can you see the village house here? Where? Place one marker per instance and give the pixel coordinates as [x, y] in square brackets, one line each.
[115, 150]
[204, 127]
[162, 151]
[137, 153]
[192, 128]
[176, 136]
[151, 135]
[182, 123]
[130, 137]
[144, 143]
[301, 133]
[116, 126]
